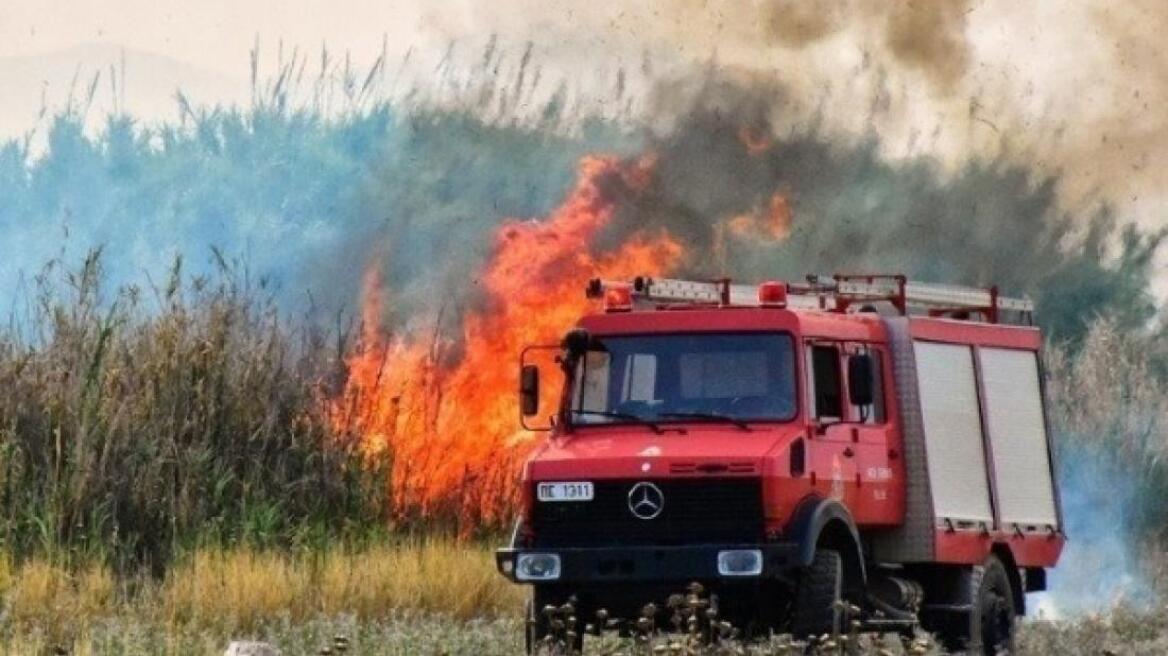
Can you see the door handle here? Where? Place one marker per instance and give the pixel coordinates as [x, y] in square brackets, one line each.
[848, 453]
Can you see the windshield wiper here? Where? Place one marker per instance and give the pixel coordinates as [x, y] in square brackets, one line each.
[708, 415]
[636, 419]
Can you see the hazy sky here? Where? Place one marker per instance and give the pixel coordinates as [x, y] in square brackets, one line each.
[214, 34]
[203, 46]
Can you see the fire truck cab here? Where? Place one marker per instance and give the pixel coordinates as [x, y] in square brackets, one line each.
[816, 453]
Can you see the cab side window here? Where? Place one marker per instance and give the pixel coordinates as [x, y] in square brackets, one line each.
[827, 397]
[874, 412]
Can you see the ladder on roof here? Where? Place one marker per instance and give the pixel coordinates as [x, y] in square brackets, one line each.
[839, 293]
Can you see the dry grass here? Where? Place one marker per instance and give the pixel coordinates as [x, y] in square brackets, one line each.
[1110, 393]
[232, 592]
[41, 593]
[244, 588]
[427, 596]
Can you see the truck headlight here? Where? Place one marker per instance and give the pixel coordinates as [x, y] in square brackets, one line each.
[740, 562]
[537, 567]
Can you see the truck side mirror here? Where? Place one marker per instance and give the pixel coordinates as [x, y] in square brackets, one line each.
[860, 379]
[529, 389]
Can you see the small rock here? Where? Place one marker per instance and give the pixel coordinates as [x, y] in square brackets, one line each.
[250, 648]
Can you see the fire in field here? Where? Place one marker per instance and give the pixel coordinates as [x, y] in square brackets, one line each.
[442, 407]
[449, 422]
[274, 343]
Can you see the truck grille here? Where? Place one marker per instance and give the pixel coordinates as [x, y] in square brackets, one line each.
[725, 511]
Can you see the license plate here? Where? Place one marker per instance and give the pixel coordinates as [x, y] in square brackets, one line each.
[581, 491]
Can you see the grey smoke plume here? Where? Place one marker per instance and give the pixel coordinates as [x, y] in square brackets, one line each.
[1100, 566]
[1069, 88]
[750, 204]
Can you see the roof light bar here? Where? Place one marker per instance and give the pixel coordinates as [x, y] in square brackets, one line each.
[837, 293]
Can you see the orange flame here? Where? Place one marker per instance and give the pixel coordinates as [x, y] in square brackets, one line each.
[772, 222]
[451, 428]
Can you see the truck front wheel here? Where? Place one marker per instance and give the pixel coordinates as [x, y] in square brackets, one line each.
[817, 597]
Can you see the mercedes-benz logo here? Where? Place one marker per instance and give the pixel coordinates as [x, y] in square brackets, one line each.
[646, 501]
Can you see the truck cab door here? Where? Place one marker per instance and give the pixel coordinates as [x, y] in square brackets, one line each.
[832, 447]
[878, 498]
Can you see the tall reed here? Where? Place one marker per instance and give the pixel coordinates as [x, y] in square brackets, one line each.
[139, 420]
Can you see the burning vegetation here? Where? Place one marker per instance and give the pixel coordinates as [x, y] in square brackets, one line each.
[431, 395]
[443, 408]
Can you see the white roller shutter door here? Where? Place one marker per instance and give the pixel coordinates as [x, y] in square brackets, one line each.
[1018, 439]
[953, 435]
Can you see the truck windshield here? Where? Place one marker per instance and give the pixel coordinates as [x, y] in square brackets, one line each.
[694, 377]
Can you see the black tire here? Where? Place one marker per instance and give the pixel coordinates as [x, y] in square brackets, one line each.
[817, 598]
[988, 627]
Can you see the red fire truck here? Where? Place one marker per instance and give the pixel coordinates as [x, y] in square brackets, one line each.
[799, 449]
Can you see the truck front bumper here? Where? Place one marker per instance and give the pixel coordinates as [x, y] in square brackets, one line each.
[652, 564]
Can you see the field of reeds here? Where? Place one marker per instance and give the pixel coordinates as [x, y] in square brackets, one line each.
[137, 422]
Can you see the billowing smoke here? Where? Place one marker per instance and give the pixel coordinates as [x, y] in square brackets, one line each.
[751, 203]
[927, 36]
[1070, 88]
[1101, 564]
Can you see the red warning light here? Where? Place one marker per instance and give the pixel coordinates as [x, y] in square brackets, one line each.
[618, 298]
[772, 294]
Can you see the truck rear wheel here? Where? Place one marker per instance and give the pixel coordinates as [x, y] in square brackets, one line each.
[988, 626]
[817, 597]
